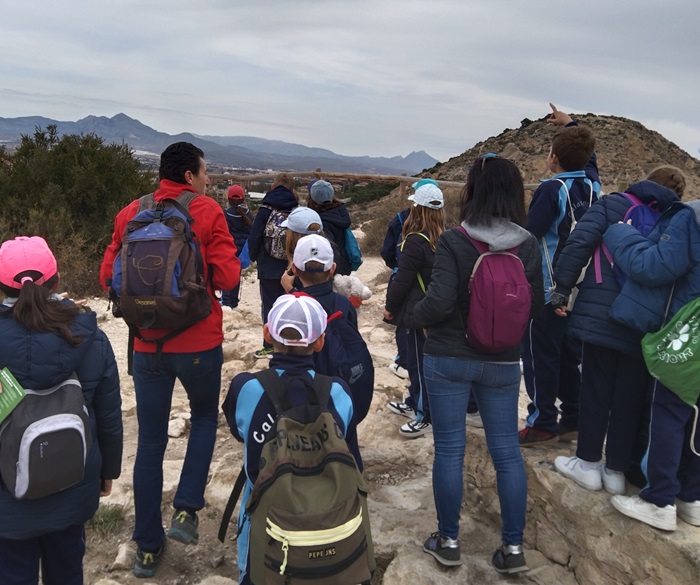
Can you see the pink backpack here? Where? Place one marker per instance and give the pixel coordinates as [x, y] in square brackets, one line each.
[499, 301]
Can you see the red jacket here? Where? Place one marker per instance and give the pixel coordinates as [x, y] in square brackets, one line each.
[222, 269]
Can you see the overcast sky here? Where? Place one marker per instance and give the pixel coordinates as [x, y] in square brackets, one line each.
[377, 77]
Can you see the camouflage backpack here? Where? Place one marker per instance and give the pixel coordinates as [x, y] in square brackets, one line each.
[308, 510]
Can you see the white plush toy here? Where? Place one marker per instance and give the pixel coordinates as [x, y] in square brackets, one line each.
[351, 287]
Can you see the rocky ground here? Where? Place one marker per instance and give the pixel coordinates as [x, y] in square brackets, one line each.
[573, 536]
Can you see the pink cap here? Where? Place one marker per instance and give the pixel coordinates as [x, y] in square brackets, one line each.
[24, 259]
[300, 312]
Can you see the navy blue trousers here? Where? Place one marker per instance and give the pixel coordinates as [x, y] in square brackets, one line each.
[59, 553]
[613, 388]
[671, 468]
[551, 370]
[270, 291]
[418, 392]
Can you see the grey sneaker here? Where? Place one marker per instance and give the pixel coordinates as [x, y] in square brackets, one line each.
[265, 352]
[509, 559]
[444, 550]
[184, 527]
[146, 563]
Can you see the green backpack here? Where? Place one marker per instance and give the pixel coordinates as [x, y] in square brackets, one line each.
[672, 354]
[308, 509]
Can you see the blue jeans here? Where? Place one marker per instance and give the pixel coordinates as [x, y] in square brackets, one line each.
[59, 553]
[200, 374]
[495, 385]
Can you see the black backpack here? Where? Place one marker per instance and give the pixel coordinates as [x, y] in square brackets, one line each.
[345, 355]
[45, 440]
[308, 509]
[158, 277]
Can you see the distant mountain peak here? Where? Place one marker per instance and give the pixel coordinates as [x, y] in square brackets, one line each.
[225, 151]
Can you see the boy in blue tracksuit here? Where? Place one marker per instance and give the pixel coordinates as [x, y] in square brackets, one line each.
[666, 263]
[295, 329]
[239, 219]
[550, 358]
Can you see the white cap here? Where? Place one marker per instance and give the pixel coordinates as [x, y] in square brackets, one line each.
[313, 248]
[300, 312]
[427, 195]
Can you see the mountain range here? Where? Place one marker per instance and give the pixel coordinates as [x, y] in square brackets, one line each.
[221, 152]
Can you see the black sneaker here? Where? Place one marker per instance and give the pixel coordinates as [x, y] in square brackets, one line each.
[506, 560]
[184, 527]
[147, 562]
[445, 551]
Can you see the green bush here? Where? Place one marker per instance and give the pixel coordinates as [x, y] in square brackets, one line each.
[360, 194]
[68, 190]
[108, 519]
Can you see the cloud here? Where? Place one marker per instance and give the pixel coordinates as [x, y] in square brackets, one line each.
[354, 76]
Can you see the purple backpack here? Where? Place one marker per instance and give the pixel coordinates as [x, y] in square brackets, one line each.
[500, 298]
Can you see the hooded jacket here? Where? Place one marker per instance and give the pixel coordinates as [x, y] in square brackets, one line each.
[666, 263]
[590, 320]
[268, 267]
[42, 360]
[445, 308]
[335, 221]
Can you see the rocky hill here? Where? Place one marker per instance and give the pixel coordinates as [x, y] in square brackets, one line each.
[626, 152]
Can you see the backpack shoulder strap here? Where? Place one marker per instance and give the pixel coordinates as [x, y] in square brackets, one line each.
[146, 202]
[481, 247]
[319, 389]
[633, 199]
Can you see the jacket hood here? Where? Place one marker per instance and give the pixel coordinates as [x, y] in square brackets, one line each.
[648, 191]
[695, 206]
[280, 198]
[42, 360]
[500, 235]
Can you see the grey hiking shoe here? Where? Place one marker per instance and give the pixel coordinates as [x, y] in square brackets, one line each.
[146, 563]
[509, 559]
[444, 550]
[184, 527]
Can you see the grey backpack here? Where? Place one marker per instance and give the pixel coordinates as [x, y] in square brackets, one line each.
[45, 441]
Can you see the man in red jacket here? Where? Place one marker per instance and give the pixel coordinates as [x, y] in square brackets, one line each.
[194, 357]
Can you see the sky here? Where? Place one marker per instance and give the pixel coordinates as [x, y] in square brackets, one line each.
[358, 77]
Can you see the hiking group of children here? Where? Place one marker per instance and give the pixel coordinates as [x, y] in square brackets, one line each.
[468, 303]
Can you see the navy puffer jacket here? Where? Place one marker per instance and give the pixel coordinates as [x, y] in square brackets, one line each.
[667, 260]
[590, 320]
[42, 360]
[335, 221]
[269, 268]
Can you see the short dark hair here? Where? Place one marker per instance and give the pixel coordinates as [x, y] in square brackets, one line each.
[313, 274]
[292, 334]
[494, 189]
[179, 158]
[574, 146]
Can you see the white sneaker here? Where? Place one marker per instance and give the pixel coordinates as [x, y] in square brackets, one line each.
[613, 481]
[401, 408]
[414, 428]
[474, 420]
[689, 511]
[399, 371]
[639, 509]
[572, 467]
